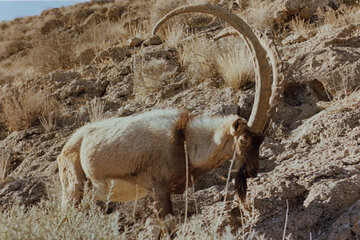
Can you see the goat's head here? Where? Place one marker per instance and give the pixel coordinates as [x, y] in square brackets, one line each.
[248, 138]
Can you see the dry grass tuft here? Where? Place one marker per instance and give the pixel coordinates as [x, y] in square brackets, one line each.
[48, 122]
[260, 14]
[98, 35]
[87, 221]
[25, 108]
[197, 57]
[331, 19]
[95, 109]
[173, 34]
[160, 8]
[51, 52]
[46, 221]
[151, 76]
[235, 65]
[300, 26]
[3, 166]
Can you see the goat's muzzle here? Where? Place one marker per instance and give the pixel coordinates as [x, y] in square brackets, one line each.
[250, 166]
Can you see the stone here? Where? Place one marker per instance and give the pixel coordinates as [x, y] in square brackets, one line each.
[134, 42]
[86, 56]
[153, 40]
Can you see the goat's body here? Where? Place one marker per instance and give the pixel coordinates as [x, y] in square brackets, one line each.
[133, 155]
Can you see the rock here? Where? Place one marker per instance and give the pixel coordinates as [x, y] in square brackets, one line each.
[104, 55]
[347, 226]
[124, 70]
[227, 109]
[153, 40]
[27, 191]
[117, 54]
[134, 42]
[64, 77]
[93, 19]
[245, 102]
[79, 87]
[51, 25]
[294, 38]
[307, 8]
[115, 12]
[86, 56]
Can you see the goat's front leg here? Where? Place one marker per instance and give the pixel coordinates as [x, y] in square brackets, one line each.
[162, 197]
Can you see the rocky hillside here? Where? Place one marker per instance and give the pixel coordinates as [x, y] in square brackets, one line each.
[78, 64]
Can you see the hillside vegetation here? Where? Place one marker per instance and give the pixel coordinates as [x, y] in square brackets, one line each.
[73, 65]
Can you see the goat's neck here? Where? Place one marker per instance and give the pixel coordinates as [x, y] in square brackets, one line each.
[208, 142]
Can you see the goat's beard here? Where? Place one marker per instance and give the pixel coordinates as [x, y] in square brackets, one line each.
[241, 183]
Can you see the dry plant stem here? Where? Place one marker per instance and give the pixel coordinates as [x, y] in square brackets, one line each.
[286, 219]
[226, 191]
[186, 184]
[135, 203]
[108, 197]
[193, 192]
[3, 167]
[95, 109]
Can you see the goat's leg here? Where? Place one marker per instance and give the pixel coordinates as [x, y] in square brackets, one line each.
[72, 179]
[162, 197]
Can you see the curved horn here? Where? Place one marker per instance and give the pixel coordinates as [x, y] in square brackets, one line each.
[267, 93]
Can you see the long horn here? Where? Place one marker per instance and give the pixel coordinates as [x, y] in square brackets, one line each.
[267, 92]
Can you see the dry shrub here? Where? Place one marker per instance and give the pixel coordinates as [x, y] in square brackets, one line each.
[234, 64]
[46, 221]
[160, 8]
[299, 26]
[151, 76]
[24, 109]
[3, 166]
[98, 35]
[51, 52]
[331, 19]
[48, 122]
[173, 34]
[197, 57]
[87, 221]
[95, 109]
[139, 29]
[260, 14]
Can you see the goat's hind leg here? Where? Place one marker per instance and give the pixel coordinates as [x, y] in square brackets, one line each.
[72, 179]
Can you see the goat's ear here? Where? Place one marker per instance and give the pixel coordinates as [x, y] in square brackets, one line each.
[237, 126]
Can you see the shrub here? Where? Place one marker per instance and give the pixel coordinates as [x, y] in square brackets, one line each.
[21, 110]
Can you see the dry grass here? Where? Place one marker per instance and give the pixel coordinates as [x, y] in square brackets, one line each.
[25, 108]
[160, 8]
[95, 109]
[260, 14]
[331, 19]
[300, 26]
[87, 221]
[173, 34]
[47, 222]
[48, 122]
[3, 166]
[234, 64]
[151, 76]
[98, 35]
[51, 52]
[197, 57]
[344, 86]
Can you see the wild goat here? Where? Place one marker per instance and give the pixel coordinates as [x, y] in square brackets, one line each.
[139, 154]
